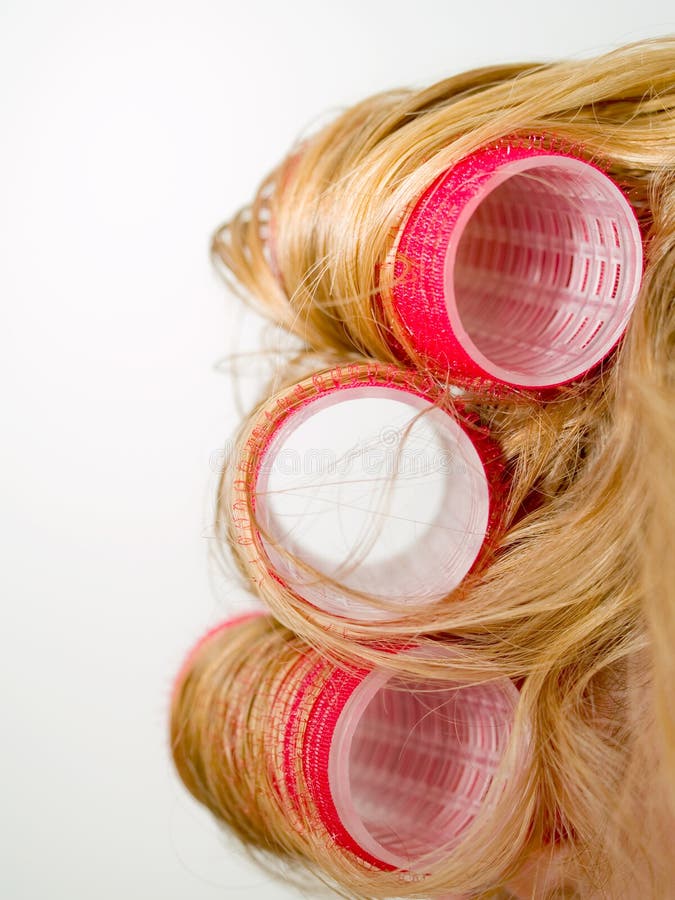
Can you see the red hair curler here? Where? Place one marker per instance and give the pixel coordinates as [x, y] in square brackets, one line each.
[397, 770]
[438, 500]
[394, 769]
[519, 265]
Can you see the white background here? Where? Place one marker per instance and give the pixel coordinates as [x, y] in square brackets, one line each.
[129, 131]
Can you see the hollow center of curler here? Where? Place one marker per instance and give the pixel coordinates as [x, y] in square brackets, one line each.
[377, 491]
[542, 270]
[410, 768]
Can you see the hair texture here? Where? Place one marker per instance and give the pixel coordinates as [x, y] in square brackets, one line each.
[578, 605]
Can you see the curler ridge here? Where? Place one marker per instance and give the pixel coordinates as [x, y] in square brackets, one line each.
[302, 515]
[520, 265]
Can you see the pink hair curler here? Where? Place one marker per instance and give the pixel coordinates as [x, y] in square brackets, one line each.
[398, 771]
[376, 489]
[519, 265]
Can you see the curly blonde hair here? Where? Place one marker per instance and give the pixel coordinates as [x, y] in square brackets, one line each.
[578, 607]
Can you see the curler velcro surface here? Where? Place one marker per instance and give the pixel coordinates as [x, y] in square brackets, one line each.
[519, 265]
[366, 487]
[400, 770]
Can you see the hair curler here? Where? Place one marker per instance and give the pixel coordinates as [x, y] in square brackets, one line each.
[434, 512]
[390, 768]
[397, 770]
[520, 265]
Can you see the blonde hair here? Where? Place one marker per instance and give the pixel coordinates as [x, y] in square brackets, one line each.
[579, 605]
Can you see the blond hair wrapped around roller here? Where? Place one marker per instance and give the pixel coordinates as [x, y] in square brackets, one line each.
[577, 607]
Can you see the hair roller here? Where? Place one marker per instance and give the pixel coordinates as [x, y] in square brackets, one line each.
[400, 771]
[297, 514]
[389, 770]
[520, 264]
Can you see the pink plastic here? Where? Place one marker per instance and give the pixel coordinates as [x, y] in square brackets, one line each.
[465, 530]
[399, 774]
[520, 265]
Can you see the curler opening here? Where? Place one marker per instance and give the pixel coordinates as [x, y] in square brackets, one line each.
[542, 270]
[376, 489]
[410, 768]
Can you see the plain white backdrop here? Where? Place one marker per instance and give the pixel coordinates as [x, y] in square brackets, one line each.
[129, 131]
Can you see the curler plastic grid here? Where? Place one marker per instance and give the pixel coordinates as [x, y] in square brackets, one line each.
[467, 497]
[519, 265]
[398, 771]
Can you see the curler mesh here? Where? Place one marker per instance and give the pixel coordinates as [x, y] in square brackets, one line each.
[519, 265]
[408, 556]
